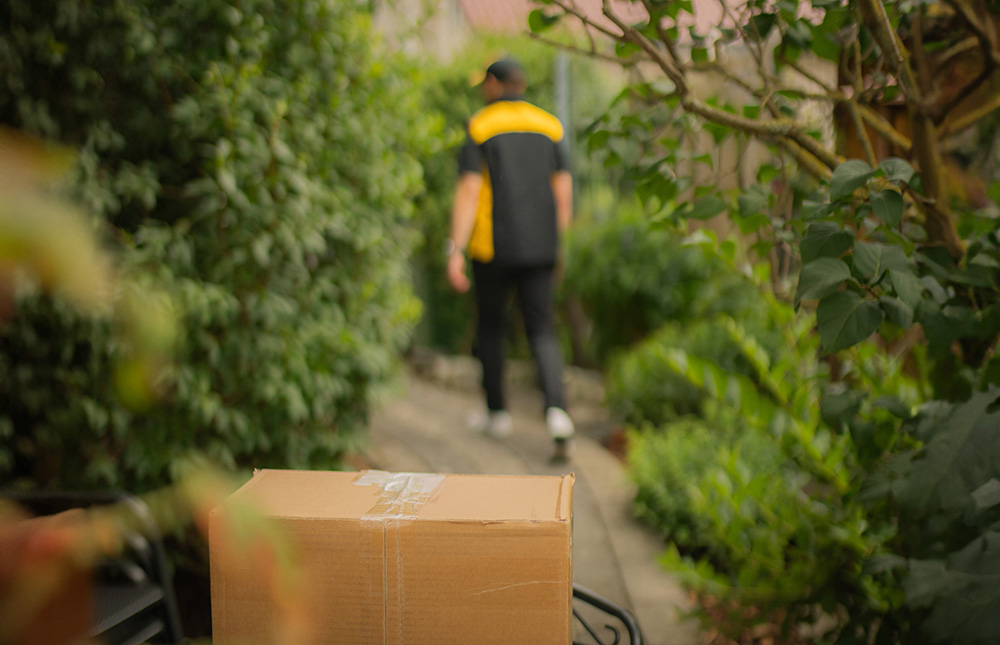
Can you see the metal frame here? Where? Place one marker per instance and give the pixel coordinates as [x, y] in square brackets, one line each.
[625, 617]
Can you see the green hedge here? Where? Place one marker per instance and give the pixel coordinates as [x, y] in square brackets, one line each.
[257, 162]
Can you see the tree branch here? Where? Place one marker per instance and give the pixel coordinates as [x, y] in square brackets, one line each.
[939, 225]
[859, 125]
[970, 119]
[991, 59]
[573, 11]
[630, 34]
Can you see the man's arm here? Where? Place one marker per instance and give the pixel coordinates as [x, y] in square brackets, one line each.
[562, 190]
[463, 216]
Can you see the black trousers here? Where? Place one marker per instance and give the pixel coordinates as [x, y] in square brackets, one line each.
[535, 286]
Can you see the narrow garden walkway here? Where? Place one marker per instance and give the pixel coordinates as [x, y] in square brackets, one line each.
[423, 428]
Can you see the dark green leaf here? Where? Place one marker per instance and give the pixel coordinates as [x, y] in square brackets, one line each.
[799, 34]
[707, 207]
[539, 21]
[752, 201]
[760, 26]
[897, 169]
[994, 192]
[820, 278]
[893, 405]
[897, 311]
[908, 287]
[991, 373]
[816, 210]
[888, 206]
[699, 55]
[824, 239]
[753, 223]
[845, 319]
[825, 47]
[961, 455]
[987, 495]
[840, 408]
[872, 259]
[848, 177]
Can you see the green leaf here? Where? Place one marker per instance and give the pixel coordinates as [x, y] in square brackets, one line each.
[707, 208]
[897, 169]
[824, 239]
[846, 319]
[908, 287]
[987, 495]
[767, 173]
[539, 21]
[871, 260]
[893, 405]
[760, 26]
[598, 140]
[626, 49]
[888, 206]
[820, 278]
[994, 192]
[824, 46]
[897, 311]
[848, 177]
[752, 201]
[812, 210]
[961, 455]
[699, 55]
[990, 375]
[752, 224]
[799, 34]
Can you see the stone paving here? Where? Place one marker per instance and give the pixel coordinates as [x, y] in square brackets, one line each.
[423, 427]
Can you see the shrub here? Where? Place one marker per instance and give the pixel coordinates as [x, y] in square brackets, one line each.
[257, 161]
[764, 495]
[633, 276]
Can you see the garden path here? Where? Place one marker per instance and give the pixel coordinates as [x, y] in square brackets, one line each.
[422, 427]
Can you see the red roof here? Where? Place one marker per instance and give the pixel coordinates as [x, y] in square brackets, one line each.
[512, 15]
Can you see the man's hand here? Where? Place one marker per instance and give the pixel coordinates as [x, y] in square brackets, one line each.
[456, 272]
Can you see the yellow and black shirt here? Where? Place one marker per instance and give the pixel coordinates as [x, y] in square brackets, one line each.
[516, 147]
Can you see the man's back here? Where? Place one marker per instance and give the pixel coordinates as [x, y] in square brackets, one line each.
[516, 147]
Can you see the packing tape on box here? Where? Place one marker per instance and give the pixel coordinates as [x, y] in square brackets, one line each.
[403, 494]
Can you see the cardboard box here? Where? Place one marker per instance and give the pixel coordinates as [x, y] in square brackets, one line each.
[402, 558]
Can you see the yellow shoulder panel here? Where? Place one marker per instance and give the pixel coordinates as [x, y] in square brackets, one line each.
[513, 116]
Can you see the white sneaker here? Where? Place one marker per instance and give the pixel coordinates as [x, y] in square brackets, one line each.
[559, 423]
[497, 424]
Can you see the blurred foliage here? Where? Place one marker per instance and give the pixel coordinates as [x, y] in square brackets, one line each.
[632, 276]
[257, 162]
[48, 563]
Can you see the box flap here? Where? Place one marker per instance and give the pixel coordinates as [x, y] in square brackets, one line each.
[308, 494]
[373, 494]
[492, 498]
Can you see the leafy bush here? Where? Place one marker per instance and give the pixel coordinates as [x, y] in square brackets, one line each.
[672, 465]
[760, 493]
[633, 276]
[258, 162]
[880, 250]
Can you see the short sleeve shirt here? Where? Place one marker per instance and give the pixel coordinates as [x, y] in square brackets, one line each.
[517, 147]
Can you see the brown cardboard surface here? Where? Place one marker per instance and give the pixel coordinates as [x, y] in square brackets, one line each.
[393, 558]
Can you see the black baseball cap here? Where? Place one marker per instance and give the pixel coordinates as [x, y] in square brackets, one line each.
[506, 70]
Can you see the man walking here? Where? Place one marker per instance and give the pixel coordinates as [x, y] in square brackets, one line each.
[513, 200]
